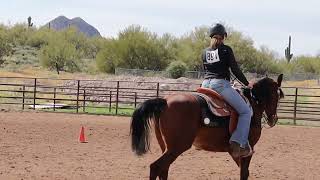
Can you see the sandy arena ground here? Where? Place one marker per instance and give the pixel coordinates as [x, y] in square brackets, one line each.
[45, 146]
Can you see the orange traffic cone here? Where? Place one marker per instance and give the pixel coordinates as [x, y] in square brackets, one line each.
[81, 136]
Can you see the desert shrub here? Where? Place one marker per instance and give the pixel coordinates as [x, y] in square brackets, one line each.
[60, 55]
[176, 69]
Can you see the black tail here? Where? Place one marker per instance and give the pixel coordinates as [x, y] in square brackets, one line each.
[140, 123]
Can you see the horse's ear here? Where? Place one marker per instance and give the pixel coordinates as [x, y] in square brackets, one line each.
[266, 75]
[280, 77]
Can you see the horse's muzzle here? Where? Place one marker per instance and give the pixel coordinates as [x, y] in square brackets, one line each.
[272, 121]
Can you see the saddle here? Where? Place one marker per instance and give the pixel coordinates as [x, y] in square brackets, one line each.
[216, 111]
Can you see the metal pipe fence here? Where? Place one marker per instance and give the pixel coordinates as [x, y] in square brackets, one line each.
[121, 97]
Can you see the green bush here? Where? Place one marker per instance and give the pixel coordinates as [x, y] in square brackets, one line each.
[106, 59]
[308, 64]
[19, 34]
[59, 55]
[138, 48]
[135, 48]
[189, 47]
[5, 48]
[176, 69]
[39, 38]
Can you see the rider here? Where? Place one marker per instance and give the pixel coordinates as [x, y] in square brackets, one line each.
[217, 59]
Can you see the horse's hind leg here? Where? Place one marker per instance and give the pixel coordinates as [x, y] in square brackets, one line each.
[173, 148]
[161, 166]
[159, 137]
[176, 130]
[164, 172]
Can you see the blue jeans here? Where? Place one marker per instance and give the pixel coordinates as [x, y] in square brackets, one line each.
[223, 87]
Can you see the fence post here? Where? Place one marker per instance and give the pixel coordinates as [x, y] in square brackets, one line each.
[135, 99]
[110, 101]
[54, 99]
[158, 87]
[23, 95]
[117, 96]
[34, 93]
[78, 92]
[295, 107]
[84, 100]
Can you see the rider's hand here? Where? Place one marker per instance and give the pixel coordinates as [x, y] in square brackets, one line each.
[250, 85]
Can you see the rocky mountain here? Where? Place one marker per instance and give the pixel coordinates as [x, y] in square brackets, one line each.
[63, 22]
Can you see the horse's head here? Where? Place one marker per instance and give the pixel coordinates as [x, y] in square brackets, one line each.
[267, 93]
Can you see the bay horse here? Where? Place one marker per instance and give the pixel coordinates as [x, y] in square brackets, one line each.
[177, 126]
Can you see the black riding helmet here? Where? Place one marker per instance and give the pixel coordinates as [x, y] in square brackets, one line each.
[218, 29]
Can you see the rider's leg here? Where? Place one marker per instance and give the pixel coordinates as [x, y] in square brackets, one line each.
[240, 135]
[205, 83]
[224, 88]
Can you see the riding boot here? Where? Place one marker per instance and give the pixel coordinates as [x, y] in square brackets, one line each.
[239, 152]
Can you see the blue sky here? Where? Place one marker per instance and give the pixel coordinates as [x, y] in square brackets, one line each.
[268, 22]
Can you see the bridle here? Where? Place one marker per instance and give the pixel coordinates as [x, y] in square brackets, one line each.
[264, 118]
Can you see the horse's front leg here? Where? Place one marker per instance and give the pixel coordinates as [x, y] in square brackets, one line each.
[243, 164]
[244, 167]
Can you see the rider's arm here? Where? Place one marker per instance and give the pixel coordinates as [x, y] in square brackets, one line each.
[235, 68]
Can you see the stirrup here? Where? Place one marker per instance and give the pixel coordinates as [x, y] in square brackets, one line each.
[237, 151]
[251, 151]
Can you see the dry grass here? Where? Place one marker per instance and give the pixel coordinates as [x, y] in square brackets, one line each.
[305, 83]
[32, 72]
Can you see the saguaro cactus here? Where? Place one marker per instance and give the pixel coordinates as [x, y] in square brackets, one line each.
[287, 51]
[30, 24]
